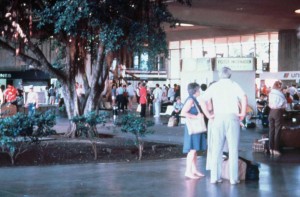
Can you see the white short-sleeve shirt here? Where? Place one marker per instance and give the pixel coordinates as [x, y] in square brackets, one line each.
[225, 95]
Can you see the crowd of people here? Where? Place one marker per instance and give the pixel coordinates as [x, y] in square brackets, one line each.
[222, 114]
[124, 96]
[10, 95]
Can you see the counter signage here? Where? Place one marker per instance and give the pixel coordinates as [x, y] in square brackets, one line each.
[5, 75]
[238, 64]
[288, 75]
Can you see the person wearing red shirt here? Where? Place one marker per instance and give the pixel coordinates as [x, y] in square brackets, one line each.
[10, 94]
[143, 99]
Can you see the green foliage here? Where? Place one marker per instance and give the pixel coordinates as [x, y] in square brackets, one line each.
[132, 123]
[17, 125]
[44, 123]
[86, 124]
[110, 36]
[17, 132]
[136, 125]
[65, 15]
[115, 24]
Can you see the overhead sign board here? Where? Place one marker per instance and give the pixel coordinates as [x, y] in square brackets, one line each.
[236, 64]
[197, 64]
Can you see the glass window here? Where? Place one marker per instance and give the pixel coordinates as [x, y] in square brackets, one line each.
[174, 66]
[261, 38]
[197, 48]
[221, 50]
[209, 48]
[186, 49]
[248, 49]
[274, 56]
[235, 50]
[174, 45]
[221, 47]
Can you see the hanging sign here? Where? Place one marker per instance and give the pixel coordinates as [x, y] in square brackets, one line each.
[236, 64]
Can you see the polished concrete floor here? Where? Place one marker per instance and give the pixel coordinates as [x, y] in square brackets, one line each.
[278, 176]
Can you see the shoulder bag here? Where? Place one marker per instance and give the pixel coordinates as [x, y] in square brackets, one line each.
[196, 125]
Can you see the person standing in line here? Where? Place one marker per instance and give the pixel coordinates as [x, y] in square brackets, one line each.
[125, 97]
[32, 101]
[143, 99]
[137, 92]
[113, 95]
[52, 94]
[130, 91]
[157, 94]
[277, 104]
[120, 98]
[194, 142]
[226, 126]
[47, 95]
[171, 93]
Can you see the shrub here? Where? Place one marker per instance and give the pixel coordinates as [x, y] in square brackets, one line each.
[17, 132]
[138, 126]
[86, 126]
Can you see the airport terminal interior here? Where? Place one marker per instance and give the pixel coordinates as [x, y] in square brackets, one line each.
[258, 39]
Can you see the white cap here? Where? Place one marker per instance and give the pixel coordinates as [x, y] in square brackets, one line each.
[31, 86]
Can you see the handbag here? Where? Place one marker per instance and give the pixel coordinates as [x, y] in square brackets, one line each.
[196, 125]
[172, 121]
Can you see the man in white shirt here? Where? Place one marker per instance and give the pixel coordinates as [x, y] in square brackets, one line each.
[277, 104]
[227, 96]
[32, 101]
[157, 94]
[131, 93]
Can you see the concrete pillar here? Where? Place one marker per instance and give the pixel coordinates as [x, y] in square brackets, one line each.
[288, 51]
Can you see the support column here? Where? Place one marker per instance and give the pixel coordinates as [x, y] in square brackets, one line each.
[288, 51]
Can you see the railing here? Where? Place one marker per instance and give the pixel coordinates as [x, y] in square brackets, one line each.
[143, 74]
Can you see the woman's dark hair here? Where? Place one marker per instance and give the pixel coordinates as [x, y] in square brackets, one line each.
[193, 88]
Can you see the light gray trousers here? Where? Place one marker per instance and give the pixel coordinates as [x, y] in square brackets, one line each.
[225, 127]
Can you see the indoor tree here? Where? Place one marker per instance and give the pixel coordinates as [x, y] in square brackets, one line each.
[85, 36]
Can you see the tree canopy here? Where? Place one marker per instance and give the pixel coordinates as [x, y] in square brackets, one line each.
[83, 33]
